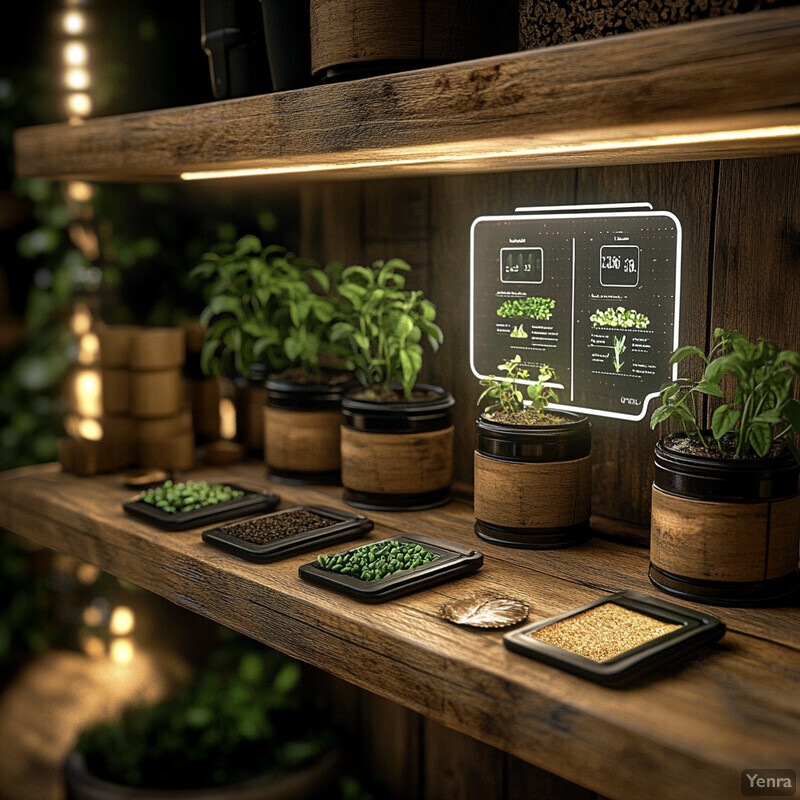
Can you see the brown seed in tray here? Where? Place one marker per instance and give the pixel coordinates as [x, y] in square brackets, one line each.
[273, 527]
[603, 632]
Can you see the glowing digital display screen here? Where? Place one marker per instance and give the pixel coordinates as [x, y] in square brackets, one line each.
[592, 292]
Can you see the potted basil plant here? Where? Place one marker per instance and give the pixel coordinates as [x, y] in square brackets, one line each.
[397, 434]
[238, 730]
[269, 317]
[726, 512]
[532, 464]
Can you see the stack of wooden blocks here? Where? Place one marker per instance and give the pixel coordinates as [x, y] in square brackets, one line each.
[147, 419]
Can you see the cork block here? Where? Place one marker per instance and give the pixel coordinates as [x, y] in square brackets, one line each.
[158, 348]
[156, 393]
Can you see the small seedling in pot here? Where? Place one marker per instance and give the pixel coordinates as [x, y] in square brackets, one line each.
[509, 404]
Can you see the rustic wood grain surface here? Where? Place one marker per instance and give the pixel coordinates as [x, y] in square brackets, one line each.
[734, 706]
[557, 106]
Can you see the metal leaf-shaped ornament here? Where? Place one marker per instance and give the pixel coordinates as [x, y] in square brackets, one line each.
[485, 610]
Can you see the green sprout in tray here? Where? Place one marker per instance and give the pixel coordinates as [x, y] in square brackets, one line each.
[175, 498]
[371, 562]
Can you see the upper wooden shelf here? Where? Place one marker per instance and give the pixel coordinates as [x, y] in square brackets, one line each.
[690, 732]
[722, 88]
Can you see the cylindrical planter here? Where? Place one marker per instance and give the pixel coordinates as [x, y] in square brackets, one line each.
[301, 431]
[314, 781]
[533, 483]
[398, 456]
[724, 531]
[360, 38]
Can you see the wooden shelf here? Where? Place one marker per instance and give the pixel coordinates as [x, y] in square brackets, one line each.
[720, 88]
[735, 706]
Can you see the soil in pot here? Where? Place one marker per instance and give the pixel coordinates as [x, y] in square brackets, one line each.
[397, 454]
[724, 531]
[533, 482]
[302, 420]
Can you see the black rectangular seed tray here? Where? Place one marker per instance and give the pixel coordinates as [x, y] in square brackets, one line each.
[343, 526]
[252, 502]
[697, 629]
[453, 562]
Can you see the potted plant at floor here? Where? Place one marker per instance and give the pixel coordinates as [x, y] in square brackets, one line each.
[397, 435]
[726, 511]
[238, 731]
[269, 316]
[532, 465]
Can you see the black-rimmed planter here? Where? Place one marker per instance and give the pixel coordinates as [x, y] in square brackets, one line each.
[302, 424]
[398, 455]
[312, 781]
[533, 482]
[724, 531]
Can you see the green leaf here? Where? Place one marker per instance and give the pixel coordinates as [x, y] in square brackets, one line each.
[792, 413]
[760, 438]
[723, 420]
[722, 366]
[771, 417]
[707, 387]
[404, 326]
[292, 347]
[355, 272]
[660, 414]
[685, 352]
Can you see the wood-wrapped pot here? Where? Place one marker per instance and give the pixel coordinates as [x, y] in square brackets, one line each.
[398, 456]
[724, 531]
[533, 482]
[301, 431]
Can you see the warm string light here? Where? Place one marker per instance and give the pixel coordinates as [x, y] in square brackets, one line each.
[76, 77]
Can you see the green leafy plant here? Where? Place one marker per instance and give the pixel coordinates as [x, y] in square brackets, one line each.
[533, 307]
[518, 332]
[759, 410]
[240, 716]
[619, 349]
[383, 326]
[266, 306]
[619, 317]
[505, 392]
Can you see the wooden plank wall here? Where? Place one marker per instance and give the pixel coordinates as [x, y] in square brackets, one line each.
[741, 241]
[741, 268]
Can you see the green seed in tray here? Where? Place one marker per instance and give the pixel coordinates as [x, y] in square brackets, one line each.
[174, 498]
[371, 562]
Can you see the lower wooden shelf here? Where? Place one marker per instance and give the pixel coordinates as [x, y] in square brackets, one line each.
[691, 732]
